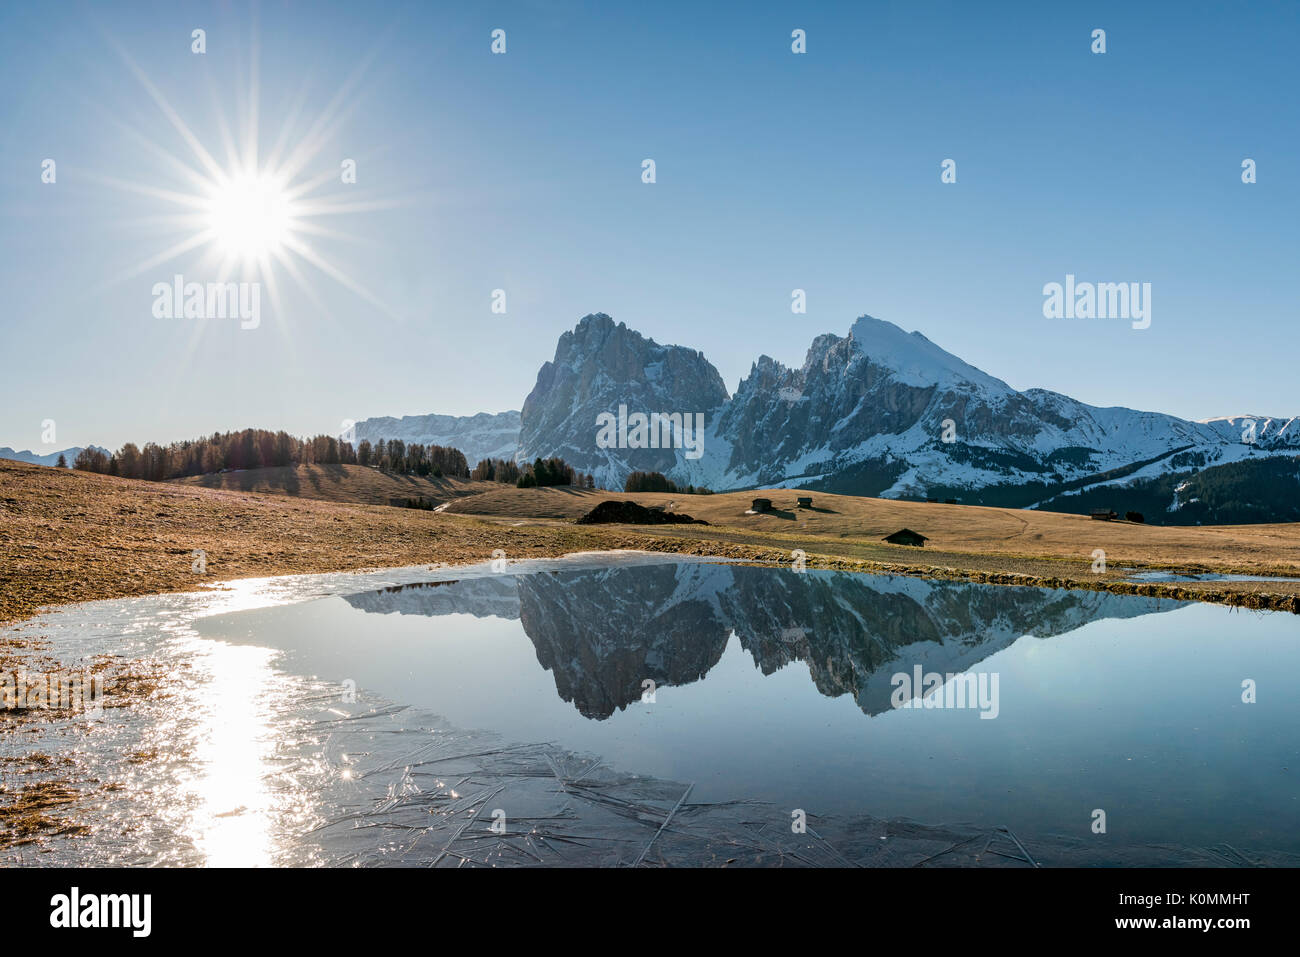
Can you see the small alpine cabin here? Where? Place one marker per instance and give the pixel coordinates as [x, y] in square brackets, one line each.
[905, 536]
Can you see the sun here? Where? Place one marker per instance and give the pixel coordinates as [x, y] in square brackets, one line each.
[250, 215]
[259, 213]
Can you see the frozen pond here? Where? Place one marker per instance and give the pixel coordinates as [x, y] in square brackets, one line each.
[1163, 576]
[635, 708]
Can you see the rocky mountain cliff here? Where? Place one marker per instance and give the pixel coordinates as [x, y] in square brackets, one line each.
[598, 368]
[879, 411]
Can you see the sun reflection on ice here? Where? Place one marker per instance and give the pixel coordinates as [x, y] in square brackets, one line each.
[231, 807]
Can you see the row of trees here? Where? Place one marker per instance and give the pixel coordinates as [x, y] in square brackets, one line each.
[496, 470]
[542, 472]
[1250, 491]
[658, 482]
[394, 455]
[258, 448]
[552, 471]
[246, 449]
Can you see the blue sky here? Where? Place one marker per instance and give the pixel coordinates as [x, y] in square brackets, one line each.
[775, 171]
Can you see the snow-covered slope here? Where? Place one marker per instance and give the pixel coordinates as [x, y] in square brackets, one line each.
[904, 416]
[481, 436]
[1266, 431]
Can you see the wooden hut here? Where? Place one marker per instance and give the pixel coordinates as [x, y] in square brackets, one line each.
[805, 501]
[761, 505]
[905, 536]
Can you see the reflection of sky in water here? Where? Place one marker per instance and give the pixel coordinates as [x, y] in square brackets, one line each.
[1141, 716]
[1130, 705]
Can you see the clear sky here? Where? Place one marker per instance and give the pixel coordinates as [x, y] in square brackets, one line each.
[522, 171]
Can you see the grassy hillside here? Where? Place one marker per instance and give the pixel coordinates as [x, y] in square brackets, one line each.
[853, 525]
[68, 536]
[339, 483]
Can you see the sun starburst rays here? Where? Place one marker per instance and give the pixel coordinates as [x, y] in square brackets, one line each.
[251, 216]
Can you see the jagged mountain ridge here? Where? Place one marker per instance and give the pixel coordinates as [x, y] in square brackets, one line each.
[598, 367]
[866, 413]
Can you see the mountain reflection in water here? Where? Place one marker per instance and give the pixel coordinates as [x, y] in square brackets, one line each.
[603, 632]
[382, 717]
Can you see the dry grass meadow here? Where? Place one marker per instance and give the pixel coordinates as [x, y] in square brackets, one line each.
[70, 536]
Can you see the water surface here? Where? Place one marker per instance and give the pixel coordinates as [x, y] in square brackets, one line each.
[773, 694]
[776, 686]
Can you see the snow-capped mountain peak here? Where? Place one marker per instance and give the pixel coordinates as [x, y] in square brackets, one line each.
[914, 359]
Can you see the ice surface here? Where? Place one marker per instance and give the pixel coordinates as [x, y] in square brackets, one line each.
[234, 761]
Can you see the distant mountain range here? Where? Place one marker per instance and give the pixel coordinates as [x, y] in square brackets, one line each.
[42, 458]
[482, 436]
[878, 412]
